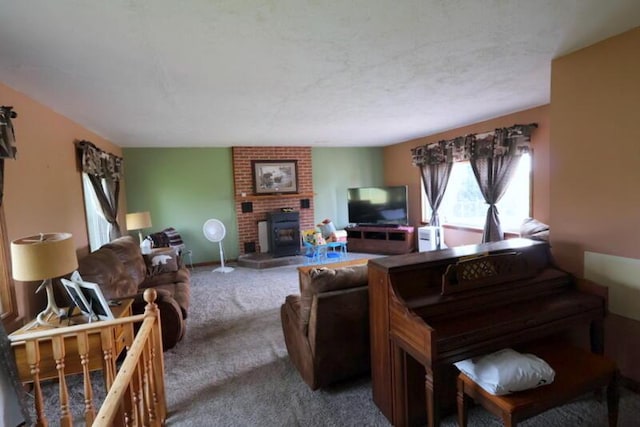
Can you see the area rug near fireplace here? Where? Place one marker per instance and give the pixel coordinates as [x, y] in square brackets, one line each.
[267, 260]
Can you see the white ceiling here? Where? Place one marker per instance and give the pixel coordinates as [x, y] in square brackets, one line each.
[166, 73]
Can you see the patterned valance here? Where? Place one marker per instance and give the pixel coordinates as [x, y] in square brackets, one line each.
[100, 163]
[512, 141]
[7, 135]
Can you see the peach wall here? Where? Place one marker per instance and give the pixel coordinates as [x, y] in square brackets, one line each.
[43, 186]
[399, 171]
[595, 151]
[595, 203]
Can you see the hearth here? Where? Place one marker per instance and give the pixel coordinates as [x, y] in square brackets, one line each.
[284, 233]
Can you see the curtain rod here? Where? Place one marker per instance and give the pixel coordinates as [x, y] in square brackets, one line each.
[84, 143]
[519, 128]
[12, 114]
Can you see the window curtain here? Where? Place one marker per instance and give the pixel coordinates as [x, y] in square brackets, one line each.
[7, 141]
[13, 399]
[435, 179]
[7, 134]
[104, 167]
[494, 160]
[435, 162]
[493, 157]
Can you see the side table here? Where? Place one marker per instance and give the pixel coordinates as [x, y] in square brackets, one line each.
[338, 249]
[122, 337]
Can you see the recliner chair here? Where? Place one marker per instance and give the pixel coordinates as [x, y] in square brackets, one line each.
[326, 327]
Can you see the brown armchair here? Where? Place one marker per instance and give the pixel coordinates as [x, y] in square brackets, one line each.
[326, 327]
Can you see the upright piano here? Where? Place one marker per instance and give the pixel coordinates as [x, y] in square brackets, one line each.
[431, 309]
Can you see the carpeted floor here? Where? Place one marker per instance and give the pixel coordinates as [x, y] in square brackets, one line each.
[232, 367]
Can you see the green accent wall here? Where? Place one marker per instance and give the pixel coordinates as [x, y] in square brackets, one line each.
[337, 169]
[182, 188]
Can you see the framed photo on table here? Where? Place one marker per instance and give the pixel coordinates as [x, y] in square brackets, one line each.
[88, 297]
[275, 176]
[97, 303]
[76, 295]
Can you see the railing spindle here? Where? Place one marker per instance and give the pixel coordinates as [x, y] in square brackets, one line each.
[107, 351]
[33, 359]
[57, 342]
[160, 400]
[83, 351]
[142, 411]
[129, 405]
[151, 393]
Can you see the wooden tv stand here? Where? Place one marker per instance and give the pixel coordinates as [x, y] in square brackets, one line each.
[381, 240]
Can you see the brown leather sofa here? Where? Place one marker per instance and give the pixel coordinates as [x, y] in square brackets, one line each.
[122, 271]
[326, 327]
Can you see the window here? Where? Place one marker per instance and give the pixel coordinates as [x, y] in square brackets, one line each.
[8, 307]
[463, 204]
[97, 225]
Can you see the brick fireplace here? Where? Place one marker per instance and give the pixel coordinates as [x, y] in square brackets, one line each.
[251, 208]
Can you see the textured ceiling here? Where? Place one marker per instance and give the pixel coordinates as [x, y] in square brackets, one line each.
[161, 73]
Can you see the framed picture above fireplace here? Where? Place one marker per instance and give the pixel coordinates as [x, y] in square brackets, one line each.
[275, 176]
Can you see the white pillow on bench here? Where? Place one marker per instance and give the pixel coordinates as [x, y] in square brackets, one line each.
[507, 371]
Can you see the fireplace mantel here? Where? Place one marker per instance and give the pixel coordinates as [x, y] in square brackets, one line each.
[253, 197]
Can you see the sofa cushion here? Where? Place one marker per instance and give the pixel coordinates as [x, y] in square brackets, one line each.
[534, 229]
[181, 275]
[324, 279]
[158, 262]
[128, 251]
[105, 268]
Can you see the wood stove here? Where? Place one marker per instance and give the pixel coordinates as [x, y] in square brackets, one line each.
[284, 233]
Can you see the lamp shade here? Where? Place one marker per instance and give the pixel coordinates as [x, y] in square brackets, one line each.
[43, 256]
[138, 220]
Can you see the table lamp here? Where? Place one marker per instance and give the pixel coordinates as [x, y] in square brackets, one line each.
[43, 257]
[138, 221]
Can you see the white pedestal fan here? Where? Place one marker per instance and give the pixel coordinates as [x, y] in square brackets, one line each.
[214, 231]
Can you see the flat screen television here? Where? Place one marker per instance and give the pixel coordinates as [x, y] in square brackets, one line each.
[378, 205]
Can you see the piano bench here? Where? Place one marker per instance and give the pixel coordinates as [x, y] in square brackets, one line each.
[577, 372]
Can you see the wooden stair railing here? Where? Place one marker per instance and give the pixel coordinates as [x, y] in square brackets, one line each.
[135, 395]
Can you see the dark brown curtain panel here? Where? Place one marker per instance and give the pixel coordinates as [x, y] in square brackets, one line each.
[493, 175]
[7, 133]
[108, 198]
[494, 160]
[435, 179]
[435, 162]
[99, 166]
[7, 141]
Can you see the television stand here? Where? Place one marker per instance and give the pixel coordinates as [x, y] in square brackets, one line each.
[387, 240]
